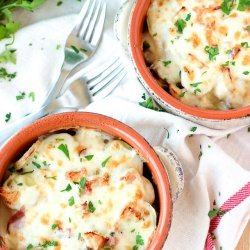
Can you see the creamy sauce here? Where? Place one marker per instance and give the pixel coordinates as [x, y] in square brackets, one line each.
[202, 53]
[85, 191]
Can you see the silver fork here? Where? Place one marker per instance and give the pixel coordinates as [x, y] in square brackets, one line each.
[99, 81]
[82, 42]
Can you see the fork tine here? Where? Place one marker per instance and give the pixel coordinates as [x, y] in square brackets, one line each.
[95, 72]
[82, 14]
[109, 87]
[91, 26]
[86, 20]
[95, 81]
[95, 89]
[97, 31]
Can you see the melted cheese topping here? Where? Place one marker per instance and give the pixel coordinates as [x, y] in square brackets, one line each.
[79, 192]
[201, 52]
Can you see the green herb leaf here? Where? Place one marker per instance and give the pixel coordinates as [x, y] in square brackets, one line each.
[30, 246]
[82, 183]
[246, 73]
[29, 172]
[105, 161]
[91, 207]
[21, 96]
[49, 244]
[5, 75]
[36, 164]
[64, 149]
[212, 52]
[67, 189]
[188, 17]
[245, 44]
[180, 24]
[32, 96]
[227, 6]
[139, 240]
[54, 226]
[166, 63]
[243, 5]
[7, 117]
[71, 201]
[89, 157]
[193, 129]
[196, 84]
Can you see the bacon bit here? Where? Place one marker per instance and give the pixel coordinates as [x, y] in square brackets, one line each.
[235, 51]
[217, 8]
[9, 197]
[81, 151]
[129, 178]
[85, 208]
[15, 217]
[76, 176]
[95, 240]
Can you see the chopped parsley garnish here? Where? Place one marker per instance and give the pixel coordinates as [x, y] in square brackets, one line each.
[82, 183]
[195, 84]
[8, 55]
[59, 3]
[37, 165]
[30, 246]
[49, 244]
[166, 63]
[7, 117]
[71, 201]
[76, 50]
[29, 172]
[245, 44]
[64, 149]
[227, 6]
[89, 157]
[215, 212]
[193, 129]
[79, 236]
[182, 94]
[246, 73]
[58, 46]
[51, 177]
[244, 5]
[155, 34]
[5, 75]
[139, 240]
[212, 52]
[229, 51]
[67, 189]
[54, 226]
[227, 63]
[105, 161]
[32, 96]
[21, 96]
[135, 247]
[180, 24]
[133, 230]
[188, 17]
[149, 103]
[100, 202]
[91, 207]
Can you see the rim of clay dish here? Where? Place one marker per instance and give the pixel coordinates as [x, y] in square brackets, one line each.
[137, 21]
[28, 135]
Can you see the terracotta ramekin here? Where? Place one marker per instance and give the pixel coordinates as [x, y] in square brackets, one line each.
[21, 141]
[209, 118]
